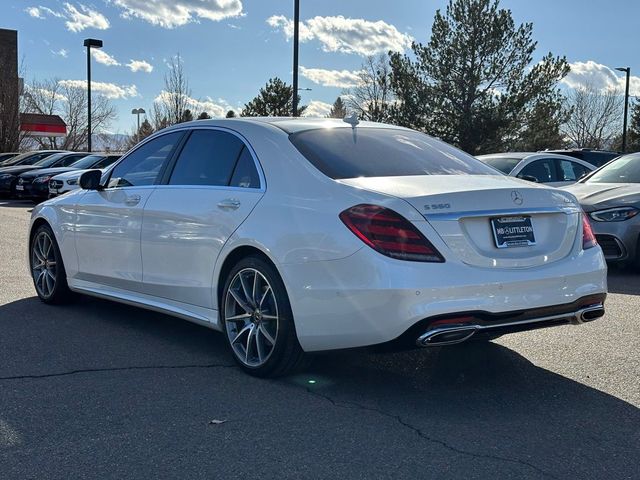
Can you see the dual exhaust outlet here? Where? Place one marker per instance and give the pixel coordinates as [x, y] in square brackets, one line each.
[451, 334]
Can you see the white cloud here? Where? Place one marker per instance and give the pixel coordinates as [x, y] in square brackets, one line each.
[347, 35]
[317, 108]
[77, 18]
[109, 90]
[175, 13]
[85, 17]
[140, 66]
[331, 78]
[104, 58]
[61, 53]
[601, 77]
[34, 12]
[214, 108]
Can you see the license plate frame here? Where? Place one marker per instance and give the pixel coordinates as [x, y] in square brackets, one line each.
[513, 231]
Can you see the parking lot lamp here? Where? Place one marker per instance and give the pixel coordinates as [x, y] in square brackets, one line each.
[138, 111]
[90, 42]
[627, 70]
[296, 28]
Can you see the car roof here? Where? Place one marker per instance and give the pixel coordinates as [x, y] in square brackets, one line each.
[287, 124]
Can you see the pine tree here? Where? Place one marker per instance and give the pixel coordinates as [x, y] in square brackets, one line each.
[274, 100]
[633, 132]
[338, 110]
[474, 84]
[231, 114]
[204, 116]
[187, 116]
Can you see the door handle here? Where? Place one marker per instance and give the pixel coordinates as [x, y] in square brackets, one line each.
[229, 204]
[132, 200]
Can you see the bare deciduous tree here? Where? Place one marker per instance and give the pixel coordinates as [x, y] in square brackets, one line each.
[174, 101]
[372, 98]
[595, 116]
[69, 101]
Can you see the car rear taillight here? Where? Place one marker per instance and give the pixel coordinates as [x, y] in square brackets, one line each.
[389, 233]
[588, 238]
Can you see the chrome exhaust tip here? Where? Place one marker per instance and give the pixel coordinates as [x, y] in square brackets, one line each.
[446, 336]
[588, 314]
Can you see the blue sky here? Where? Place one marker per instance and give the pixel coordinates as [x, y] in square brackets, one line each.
[230, 48]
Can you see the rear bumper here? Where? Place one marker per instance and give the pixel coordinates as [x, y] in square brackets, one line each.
[368, 299]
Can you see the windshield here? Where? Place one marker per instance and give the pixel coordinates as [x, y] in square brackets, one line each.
[87, 162]
[625, 169]
[504, 164]
[382, 152]
[49, 160]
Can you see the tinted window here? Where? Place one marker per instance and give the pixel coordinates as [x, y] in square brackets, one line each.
[505, 165]
[543, 170]
[625, 169]
[379, 152]
[245, 174]
[106, 161]
[571, 171]
[70, 160]
[46, 160]
[143, 165]
[208, 158]
[87, 162]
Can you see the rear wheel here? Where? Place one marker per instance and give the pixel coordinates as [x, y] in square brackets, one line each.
[257, 320]
[47, 269]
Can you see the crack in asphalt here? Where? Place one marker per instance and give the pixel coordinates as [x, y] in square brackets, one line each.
[420, 433]
[118, 369]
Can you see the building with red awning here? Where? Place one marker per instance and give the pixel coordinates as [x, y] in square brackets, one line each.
[37, 125]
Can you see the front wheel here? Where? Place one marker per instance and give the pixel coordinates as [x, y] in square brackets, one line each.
[47, 269]
[257, 320]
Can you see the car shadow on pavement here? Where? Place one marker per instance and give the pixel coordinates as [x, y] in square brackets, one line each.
[12, 203]
[624, 280]
[483, 404]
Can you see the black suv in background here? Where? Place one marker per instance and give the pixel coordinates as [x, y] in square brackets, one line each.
[594, 157]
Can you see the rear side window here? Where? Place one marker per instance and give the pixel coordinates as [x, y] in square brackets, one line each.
[245, 174]
[571, 171]
[208, 158]
[379, 152]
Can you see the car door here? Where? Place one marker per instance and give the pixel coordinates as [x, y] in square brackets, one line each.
[109, 221]
[544, 171]
[210, 189]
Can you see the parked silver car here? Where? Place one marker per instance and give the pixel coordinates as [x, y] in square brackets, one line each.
[611, 198]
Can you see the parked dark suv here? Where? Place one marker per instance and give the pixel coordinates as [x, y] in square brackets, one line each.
[594, 157]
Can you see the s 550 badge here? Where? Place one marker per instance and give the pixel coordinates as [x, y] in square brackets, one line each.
[437, 206]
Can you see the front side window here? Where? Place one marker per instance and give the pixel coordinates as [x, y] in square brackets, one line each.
[142, 167]
[208, 158]
[382, 152]
[543, 170]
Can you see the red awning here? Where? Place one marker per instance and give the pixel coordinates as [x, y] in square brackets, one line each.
[36, 125]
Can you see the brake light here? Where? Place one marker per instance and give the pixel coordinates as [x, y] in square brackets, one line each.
[588, 238]
[389, 233]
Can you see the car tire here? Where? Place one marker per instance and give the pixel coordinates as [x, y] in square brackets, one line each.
[47, 268]
[258, 322]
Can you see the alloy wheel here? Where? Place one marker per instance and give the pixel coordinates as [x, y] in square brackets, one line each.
[251, 317]
[44, 264]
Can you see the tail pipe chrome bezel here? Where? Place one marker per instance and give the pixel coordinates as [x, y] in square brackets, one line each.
[457, 333]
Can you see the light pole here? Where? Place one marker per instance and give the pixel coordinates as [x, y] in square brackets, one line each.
[138, 111]
[627, 70]
[90, 42]
[296, 28]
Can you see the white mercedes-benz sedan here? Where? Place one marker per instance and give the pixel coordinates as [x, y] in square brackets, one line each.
[301, 235]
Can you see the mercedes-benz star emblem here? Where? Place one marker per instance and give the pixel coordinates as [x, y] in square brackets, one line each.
[516, 196]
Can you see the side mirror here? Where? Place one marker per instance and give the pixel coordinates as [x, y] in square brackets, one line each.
[528, 178]
[91, 180]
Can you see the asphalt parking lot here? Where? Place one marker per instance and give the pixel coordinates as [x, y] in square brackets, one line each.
[100, 390]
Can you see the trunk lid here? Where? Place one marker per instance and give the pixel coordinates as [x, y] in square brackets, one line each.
[468, 211]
